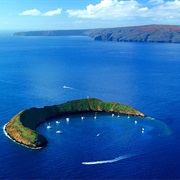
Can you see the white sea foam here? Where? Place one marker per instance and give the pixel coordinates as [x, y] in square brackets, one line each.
[151, 118]
[109, 161]
[16, 141]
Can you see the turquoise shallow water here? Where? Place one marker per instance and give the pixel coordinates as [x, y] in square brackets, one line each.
[145, 76]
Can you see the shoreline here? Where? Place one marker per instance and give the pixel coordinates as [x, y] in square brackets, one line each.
[6, 134]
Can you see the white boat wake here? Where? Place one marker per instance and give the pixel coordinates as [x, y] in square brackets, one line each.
[109, 161]
[67, 87]
[151, 118]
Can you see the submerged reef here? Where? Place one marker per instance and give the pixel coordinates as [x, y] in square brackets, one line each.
[22, 127]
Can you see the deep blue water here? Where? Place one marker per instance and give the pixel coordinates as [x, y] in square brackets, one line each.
[143, 75]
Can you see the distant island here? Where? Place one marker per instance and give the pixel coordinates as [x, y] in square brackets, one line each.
[22, 127]
[147, 33]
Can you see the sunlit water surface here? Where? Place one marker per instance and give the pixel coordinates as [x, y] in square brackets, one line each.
[143, 75]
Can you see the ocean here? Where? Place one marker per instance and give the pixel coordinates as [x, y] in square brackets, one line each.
[146, 76]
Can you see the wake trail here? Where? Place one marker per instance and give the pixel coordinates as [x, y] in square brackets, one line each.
[101, 133]
[67, 87]
[109, 161]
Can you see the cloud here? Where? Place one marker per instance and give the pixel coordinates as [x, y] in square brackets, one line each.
[32, 12]
[109, 9]
[114, 9]
[168, 9]
[155, 2]
[35, 12]
[52, 13]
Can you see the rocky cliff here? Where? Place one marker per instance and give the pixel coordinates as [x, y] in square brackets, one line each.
[149, 33]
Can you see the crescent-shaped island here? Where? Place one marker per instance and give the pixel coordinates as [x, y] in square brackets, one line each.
[22, 127]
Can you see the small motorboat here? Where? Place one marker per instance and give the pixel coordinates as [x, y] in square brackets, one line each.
[49, 126]
[143, 130]
[58, 132]
[95, 117]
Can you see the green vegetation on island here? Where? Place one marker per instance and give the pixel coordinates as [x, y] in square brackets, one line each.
[22, 127]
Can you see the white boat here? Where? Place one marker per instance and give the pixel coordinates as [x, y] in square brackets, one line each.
[112, 115]
[135, 122]
[49, 126]
[82, 117]
[95, 117]
[57, 122]
[143, 130]
[67, 119]
[128, 117]
[58, 132]
[67, 87]
[118, 115]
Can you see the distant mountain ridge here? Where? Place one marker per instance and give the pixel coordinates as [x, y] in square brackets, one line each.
[146, 33]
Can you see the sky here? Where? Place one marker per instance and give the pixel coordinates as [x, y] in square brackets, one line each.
[86, 14]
